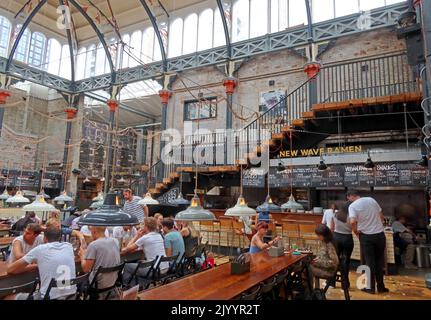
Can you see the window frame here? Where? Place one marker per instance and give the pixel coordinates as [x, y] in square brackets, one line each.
[187, 103]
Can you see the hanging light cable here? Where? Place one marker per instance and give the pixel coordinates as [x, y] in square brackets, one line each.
[180, 199]
[195, 212]
[19, 196]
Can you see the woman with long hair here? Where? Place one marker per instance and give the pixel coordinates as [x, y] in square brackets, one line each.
[343, 239]
[326, 262]
[190, 235]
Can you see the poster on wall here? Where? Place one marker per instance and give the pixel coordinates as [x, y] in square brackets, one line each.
[269, 99]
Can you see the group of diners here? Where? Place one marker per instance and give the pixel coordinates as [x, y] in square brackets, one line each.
[43, 246]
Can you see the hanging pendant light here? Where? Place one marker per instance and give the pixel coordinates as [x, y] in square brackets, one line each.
[39, 205]
[268, 206]
[292, 205]
[280, 167]
[180, 200]
[148, 200]
[5, 195]
[18, 198]
[62, 198]
[240, 209]
[121, 181]
[369, 164]
[322, 165]
[86, 180]
[109, 214]
[423, 162]
[195, 212]
[43, 194]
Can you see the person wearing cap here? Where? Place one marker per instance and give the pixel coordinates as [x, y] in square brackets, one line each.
[257, 244]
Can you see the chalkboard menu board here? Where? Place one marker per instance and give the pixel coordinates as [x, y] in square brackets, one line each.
[29, 179]
[351, 175]
[254, 178]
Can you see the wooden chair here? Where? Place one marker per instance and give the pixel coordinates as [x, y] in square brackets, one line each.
[307, 232]
[210, 229]
[226, 226]
[291, 231]
[238, 229]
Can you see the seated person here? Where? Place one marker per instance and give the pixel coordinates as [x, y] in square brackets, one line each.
[101, 252]
[257, 244]
[54, 259]
[73, 214]
[174, 242]
[325, 264]
[405, 239]
[159, 219]
[21, 224]
[190, 236]
[125, 234]
[23, 244]
[65, 231]
[151, 242]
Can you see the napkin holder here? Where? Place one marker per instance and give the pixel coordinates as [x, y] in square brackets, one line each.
[239, 268]
[276, 251]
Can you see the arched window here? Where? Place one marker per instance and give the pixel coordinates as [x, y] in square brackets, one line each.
[322, 10]
[100, 60]
[365, 5]
[80, 64]
[190, 34]
[240, 20]
[123, 57]
[53, 55]
[135, 49]
[175, 38]
[279, 15]
[343, 7]
[298, 13]
[21, 52]
[5, 28]
[148, 38]
[219, 37]
[258, 18]
[205, 36]
[66, 68]
[37, 51]
[90, 61]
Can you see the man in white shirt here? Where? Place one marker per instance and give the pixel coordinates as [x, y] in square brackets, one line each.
[328, 216]
[21, 245]
[151, 242]
[132, 207]
[54, 259]
[366, 218]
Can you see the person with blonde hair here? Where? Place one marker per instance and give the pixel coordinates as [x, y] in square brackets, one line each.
[190, 235]
[151, 242]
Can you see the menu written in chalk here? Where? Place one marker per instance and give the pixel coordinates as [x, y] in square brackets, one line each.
[254, 178]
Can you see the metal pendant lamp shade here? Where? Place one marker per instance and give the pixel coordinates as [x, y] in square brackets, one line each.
[39, 205]
[18, 198]
[180, 200]
[292, 205]
[240, 209]
[44, 195]
[62, 198]
[148, 200]
[322, 165]
[195, 212]
[96, 204]
[369, 164]
[109, 214]
[5, 195]
[268, 206]
[99, 197]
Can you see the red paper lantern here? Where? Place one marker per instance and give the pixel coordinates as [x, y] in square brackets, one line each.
[70, 112]
[312, 69]
[4, 94]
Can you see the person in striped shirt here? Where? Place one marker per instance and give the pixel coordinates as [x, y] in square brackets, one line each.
[131, 205]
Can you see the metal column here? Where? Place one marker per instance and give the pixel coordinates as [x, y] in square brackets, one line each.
[113, 105]
[71, 112]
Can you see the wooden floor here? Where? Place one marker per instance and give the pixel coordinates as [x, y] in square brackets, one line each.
[409, 285]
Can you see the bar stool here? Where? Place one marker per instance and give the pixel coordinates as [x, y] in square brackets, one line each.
[307, 233]
[226, 226]
[291, 231]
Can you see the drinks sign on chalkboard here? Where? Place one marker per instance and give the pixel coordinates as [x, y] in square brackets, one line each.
[350, 175]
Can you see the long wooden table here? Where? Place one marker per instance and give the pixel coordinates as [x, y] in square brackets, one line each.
[219, 284]
[10, 280]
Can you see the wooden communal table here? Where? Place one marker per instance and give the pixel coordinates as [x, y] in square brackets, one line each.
[5, 241]
[10, 280]
[219, 284]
